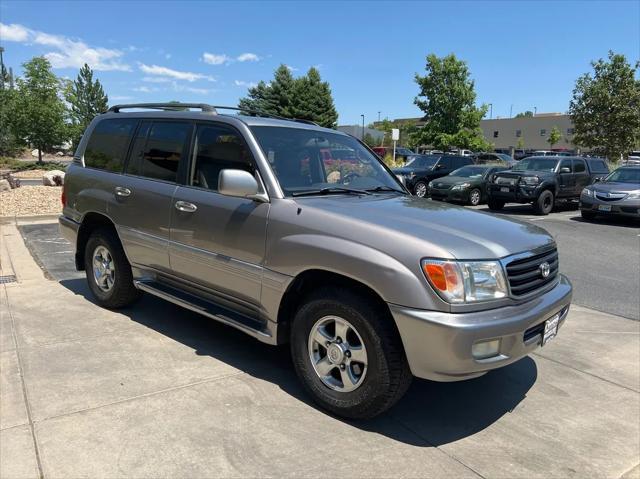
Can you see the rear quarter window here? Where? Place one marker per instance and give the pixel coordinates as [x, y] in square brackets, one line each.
[598, 166]
[108, 144]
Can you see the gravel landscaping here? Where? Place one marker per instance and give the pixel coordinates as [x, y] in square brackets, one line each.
[31, 200]
[29, 174]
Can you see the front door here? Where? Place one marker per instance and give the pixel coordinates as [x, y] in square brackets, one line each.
[581, 175]
[567, 180]
[217, 241]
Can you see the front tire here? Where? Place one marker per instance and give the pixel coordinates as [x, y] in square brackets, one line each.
[108, 271]
[545, 202]
[495, 205]
[357, 376]
[475, 196]
[420, 189]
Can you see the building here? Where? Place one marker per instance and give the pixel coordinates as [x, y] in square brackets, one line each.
[356, 130]
[532, 132]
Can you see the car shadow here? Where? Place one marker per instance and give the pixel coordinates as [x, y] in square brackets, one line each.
[621, 221]
[430, 414]
[517, 209]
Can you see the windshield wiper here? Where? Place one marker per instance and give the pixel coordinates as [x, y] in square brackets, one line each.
[331, 191]
[377, 189]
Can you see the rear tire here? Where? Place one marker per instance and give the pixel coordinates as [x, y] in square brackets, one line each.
[588, 215]
[108, 270]
[495, 205]
[545, 202]
[380, 381]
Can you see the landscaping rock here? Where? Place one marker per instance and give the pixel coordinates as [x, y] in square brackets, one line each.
[53, 178]
[60, 153]
[12, 180]
[34, 153]
[5, 185]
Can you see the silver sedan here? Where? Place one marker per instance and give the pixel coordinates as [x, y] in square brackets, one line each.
[618, 194]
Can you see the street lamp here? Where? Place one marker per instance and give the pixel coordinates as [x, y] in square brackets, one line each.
[362, 127]
[535, 110]
[490, 111]
[378, 116]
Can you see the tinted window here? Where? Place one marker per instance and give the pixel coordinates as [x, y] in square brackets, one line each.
[536, 164]
[107, 147]
[625, 175]
[158, 149]
[218, 147]
[459, 161]
[422, 161]
[445, 162]
[579, 166]
[565, 164]
[598, 166]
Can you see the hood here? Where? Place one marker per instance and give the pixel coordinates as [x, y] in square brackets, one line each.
[405, 170]
[428, 228]
[456, 180]
[612, 186]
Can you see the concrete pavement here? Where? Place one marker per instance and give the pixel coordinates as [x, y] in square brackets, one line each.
[155, 390]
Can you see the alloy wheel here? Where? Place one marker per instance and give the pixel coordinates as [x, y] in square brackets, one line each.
[104, 271]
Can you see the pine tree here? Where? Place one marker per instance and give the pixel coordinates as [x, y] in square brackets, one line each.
[40, 112]
[87, 99]
[274, 98]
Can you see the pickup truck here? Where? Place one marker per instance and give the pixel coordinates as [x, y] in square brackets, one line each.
[544, 180]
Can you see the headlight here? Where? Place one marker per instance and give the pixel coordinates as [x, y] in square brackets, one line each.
[412, 175]
[430, 185]
[463, 186]
[635, 195]
[466, 281]
[587, 192]
[530, 180]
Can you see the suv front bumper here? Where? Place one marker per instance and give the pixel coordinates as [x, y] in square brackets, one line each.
[516, 194]
[438, 345]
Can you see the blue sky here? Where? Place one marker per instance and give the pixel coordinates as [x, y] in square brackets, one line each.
[525, 54]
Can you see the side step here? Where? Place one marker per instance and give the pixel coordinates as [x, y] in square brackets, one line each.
[199, 305]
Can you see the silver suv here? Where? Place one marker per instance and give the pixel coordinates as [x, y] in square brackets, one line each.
[299, 234]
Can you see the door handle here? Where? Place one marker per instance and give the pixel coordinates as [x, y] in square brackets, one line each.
[122, 191]
[185, 206]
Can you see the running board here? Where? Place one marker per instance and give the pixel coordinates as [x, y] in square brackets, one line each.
[204, 307]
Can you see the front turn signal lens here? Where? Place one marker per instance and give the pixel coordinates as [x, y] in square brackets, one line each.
[446, 278]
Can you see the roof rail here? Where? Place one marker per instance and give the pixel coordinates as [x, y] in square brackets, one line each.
[175, 106]
[264, 114]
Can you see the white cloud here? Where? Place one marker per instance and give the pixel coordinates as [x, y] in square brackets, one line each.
[156, 79]
[215, 59]
[13, 33]
[120, 97]
[292, 69]
[145, 89]
[69, 53]
[174, 74]
[248, 84]
[248, 57]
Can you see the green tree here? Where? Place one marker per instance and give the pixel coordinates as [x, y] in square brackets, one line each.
[447, 97]
[8, 142]
[525, 114]
[306, 97]
[554, 136]
[605, 108]
[40, 112]
[87, 99]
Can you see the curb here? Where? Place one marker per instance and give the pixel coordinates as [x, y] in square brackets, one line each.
[5, 220]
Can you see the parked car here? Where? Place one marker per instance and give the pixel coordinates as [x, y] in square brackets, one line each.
[550, 153]
[460, 152]
[616, 195]
[417, 173]
[402, 154]
[542, 181]
[633, 159]
[484, 158]
[238, 219]
[519, 154]
[467, 184]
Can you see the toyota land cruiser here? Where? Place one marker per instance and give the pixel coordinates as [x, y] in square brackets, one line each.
[245, 219]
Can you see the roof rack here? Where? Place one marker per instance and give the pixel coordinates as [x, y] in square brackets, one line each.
[176, 106]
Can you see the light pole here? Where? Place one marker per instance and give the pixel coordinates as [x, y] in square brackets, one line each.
[362, 127]
[378, 116]
[511, 111]
[490, 111]
[535, 110]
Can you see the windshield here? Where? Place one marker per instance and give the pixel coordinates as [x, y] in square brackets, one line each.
[310, 160]
[422, 161]
[625, 175]
[536, 164]
[504, 157]
[404, 151]
[470, 171]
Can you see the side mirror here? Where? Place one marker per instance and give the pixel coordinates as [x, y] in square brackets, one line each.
[565, 170]
[239, 183]
[597, 180]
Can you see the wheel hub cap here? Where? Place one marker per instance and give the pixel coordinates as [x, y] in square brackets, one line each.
[335, 353]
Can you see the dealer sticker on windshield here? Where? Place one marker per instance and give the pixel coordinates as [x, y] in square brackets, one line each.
[550, 329]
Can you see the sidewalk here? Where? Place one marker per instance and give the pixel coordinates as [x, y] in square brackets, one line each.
[156, 390]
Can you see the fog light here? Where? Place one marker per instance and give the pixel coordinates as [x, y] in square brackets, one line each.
[485, 349]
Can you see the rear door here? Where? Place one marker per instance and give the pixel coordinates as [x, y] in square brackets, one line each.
[444, 167]
[141, 202]
[581, 175]
[218, 241]
[566, 179]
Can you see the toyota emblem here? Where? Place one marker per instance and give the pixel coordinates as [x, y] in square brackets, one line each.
[545, 269]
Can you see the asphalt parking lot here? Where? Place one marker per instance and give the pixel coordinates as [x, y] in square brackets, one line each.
[155, 390]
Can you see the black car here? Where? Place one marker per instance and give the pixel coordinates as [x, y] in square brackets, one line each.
[542, 180]
[418, 172]
[467, 184]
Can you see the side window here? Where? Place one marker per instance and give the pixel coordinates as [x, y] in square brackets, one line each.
[463, 161]
[445, 161]
[107, 147]
[218, 147]
[598, 166]
[158, 151]
[565, 164]
[579, 166]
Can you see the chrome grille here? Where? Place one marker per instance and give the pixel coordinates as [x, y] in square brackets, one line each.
[610, 196]
[505, 180]
[525, 274]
